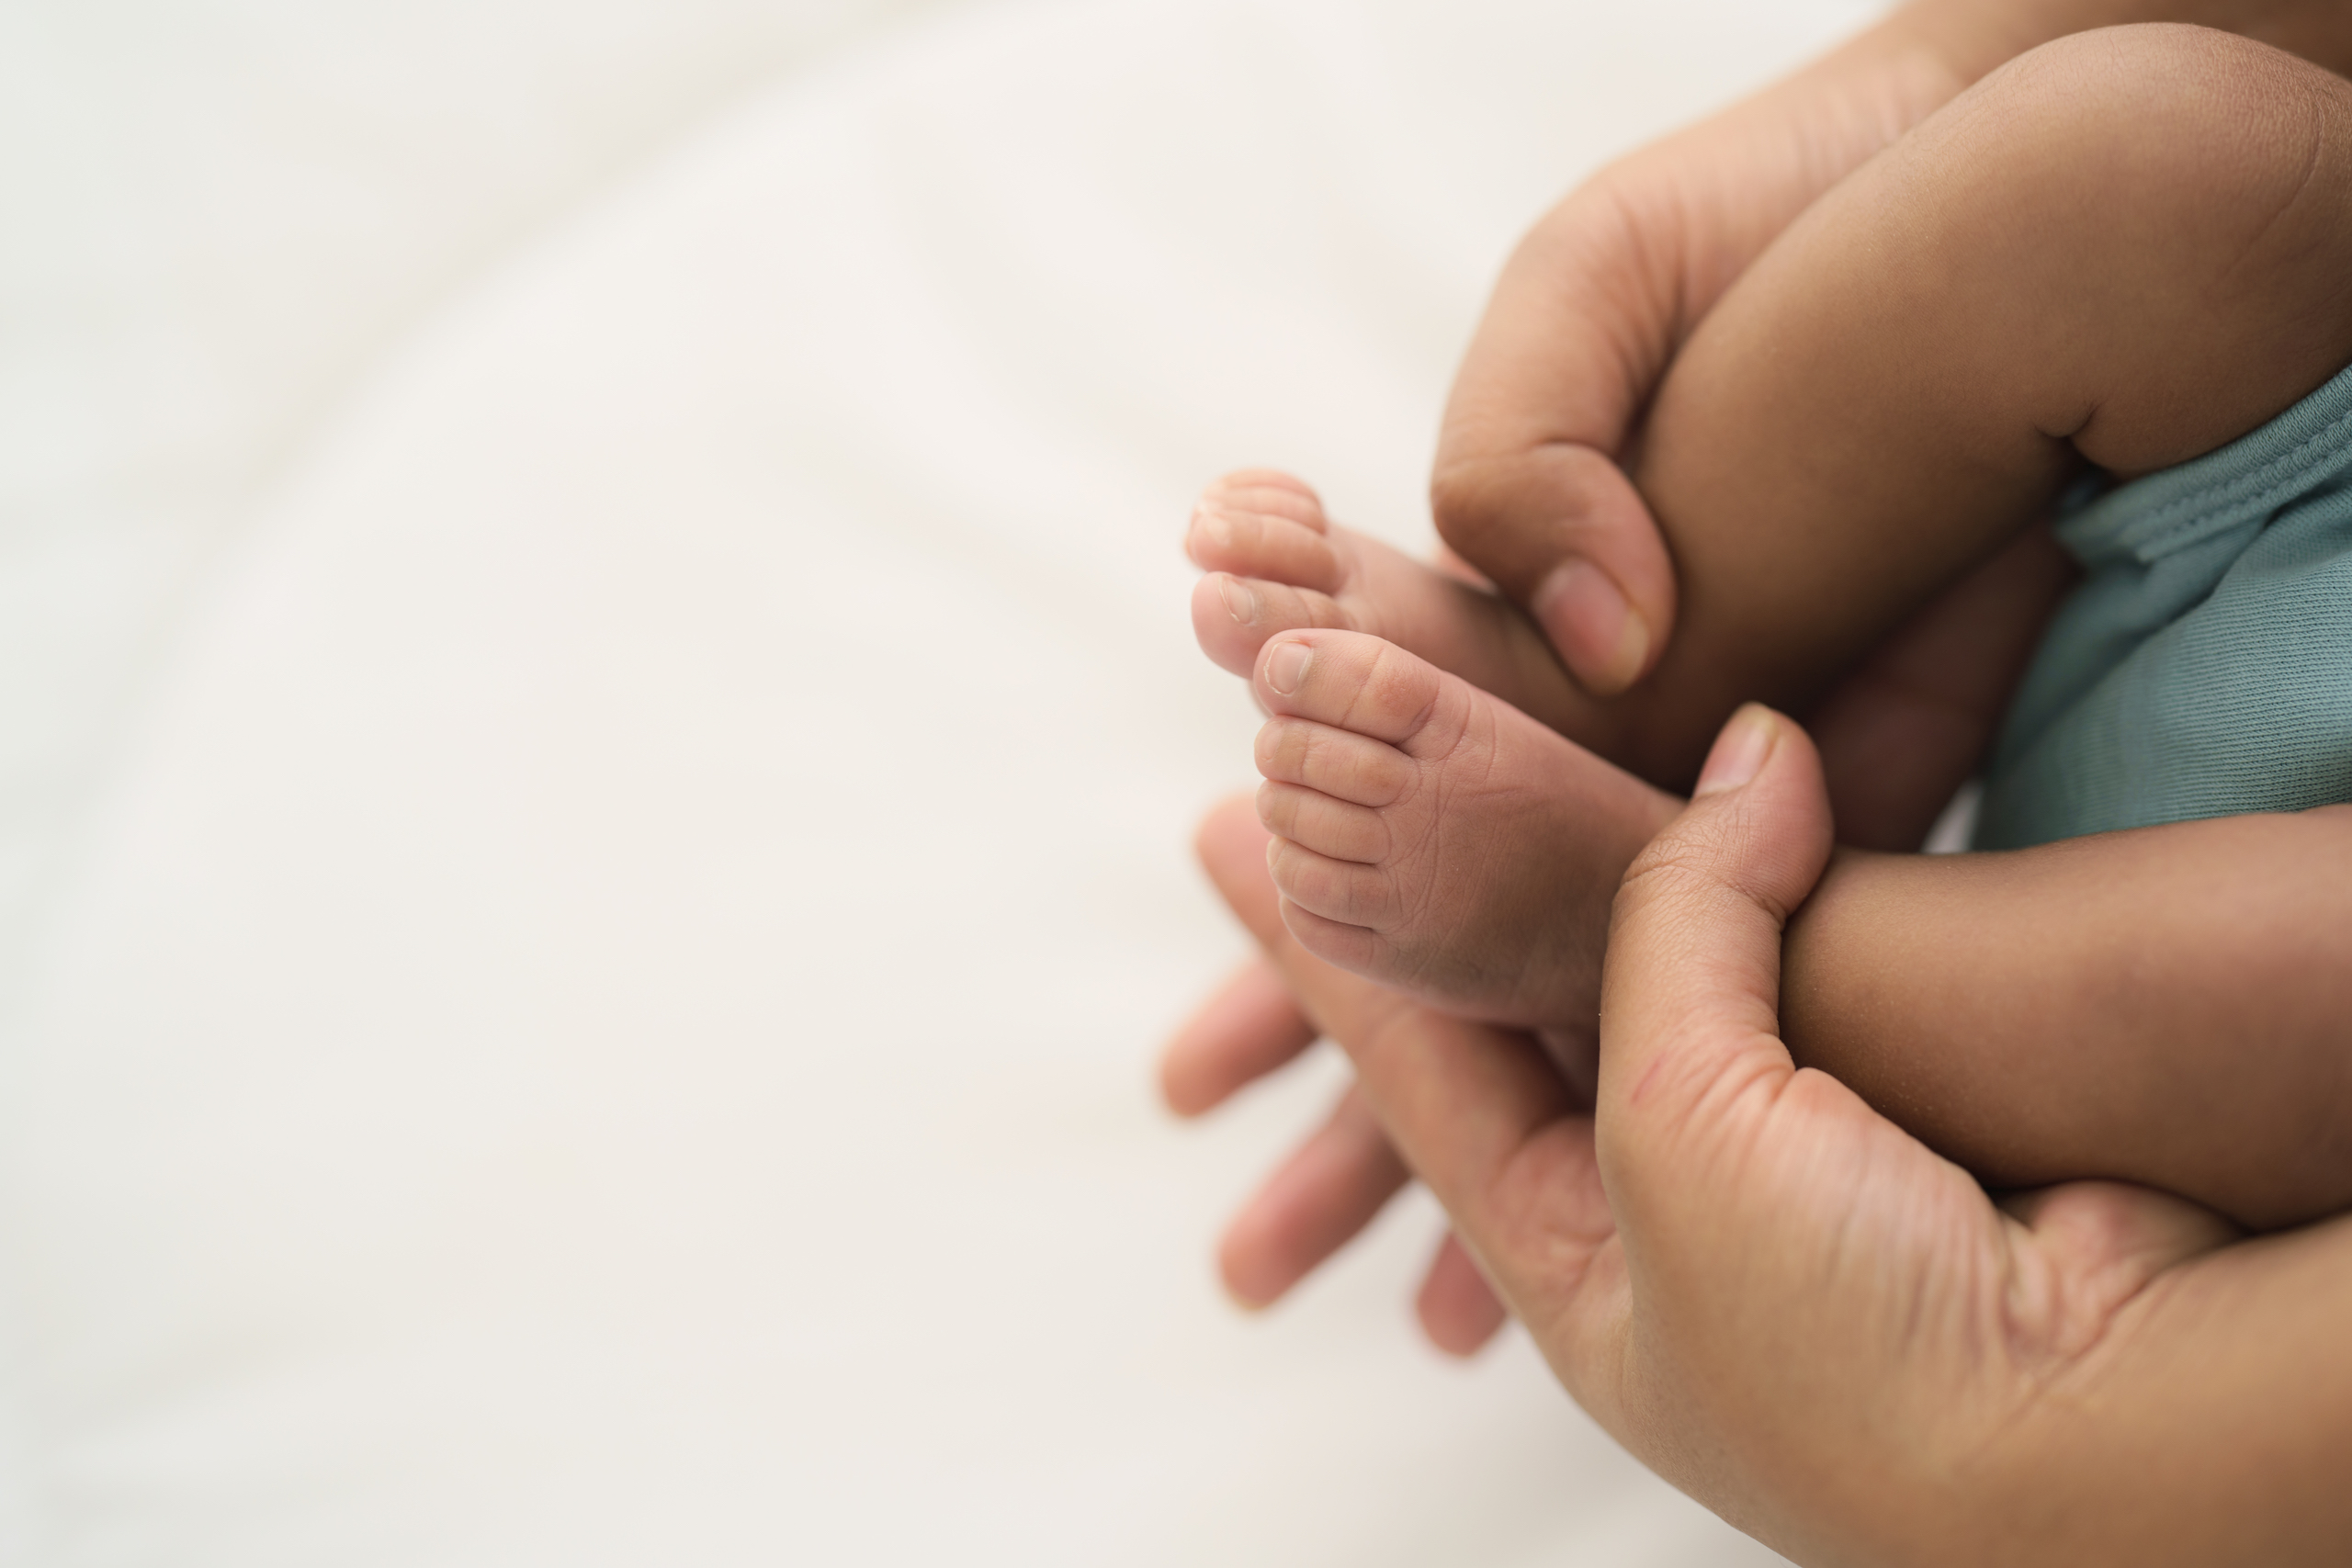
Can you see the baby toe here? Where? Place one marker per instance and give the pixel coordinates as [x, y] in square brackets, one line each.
[1233, 617]
[1229, 535]
[1338, 890]
[1314, 821]
[1351, 768]
[1335, 941]
[1349, 681]
[1272, 492]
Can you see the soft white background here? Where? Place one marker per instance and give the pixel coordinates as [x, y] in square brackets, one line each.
[597, 738]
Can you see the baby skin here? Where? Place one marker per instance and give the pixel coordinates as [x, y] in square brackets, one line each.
[2123, 250]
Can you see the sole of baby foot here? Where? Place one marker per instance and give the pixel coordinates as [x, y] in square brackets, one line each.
[1432, 837]
[1276, 562]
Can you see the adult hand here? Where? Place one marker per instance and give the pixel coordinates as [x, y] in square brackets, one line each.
[1529, 486]
[1897, 736]
[1798, 1314]
[1528, 489]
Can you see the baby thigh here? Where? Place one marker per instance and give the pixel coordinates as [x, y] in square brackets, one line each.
[2126, 249]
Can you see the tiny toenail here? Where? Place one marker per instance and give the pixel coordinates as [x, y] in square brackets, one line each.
[1239, 603]
[1210, 522]
[1286, 666]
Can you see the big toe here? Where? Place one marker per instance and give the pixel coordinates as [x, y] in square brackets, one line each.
[1350, 681]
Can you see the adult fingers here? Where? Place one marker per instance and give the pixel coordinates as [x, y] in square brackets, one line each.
[1527, 485]
[1479, 1113]
[1333, 1185]
[1900, 733]
[1315, 1203]
[1459, 1311]
[1466, 1095]
[1248, 1027]
[1690, 990]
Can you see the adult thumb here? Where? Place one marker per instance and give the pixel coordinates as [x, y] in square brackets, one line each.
[1559, 527]
[1527, 486]
[1690, 1025]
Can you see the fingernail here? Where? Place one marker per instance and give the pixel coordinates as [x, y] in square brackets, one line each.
[1739, 751]
[1589, 621]
[1286, 666]
[1239, 603]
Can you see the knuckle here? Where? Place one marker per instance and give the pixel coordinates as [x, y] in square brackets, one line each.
[1466, 500]
[1706, 862]
[1673, 868]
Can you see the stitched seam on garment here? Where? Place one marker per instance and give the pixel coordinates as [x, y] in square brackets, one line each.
[2254, 485]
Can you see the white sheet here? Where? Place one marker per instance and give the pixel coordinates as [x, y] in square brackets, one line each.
[599, 1007]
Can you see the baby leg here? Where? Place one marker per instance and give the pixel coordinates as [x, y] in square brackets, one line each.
[2124, 249]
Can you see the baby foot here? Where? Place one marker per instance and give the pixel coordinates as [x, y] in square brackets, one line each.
[1435, 838]
[1276, 563]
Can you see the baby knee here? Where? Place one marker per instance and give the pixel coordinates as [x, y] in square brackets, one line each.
[2159, 205]
[2213, 137]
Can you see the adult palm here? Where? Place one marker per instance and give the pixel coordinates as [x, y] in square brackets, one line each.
[1796, 1312]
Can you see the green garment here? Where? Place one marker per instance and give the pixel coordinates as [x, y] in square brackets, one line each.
[2204, 667]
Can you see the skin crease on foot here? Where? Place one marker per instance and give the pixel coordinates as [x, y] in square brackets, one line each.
[1429, 835]
[1277, 565]
[1435, 837]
